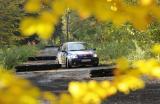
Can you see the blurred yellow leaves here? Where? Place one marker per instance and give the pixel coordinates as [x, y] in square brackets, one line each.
[14, 90]
[90, 93]
[146, 2]
[122, 65]
[149, 67]
[104, 10]
[127, 78]
[28, 26]
[33, 6]
[77, 90]
[156, 49]
[129, 82]
[32, 26]
[50, 97]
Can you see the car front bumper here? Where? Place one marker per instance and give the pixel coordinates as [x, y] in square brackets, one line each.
[88, 61]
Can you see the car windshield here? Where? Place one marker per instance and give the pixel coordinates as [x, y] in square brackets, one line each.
[77, 46]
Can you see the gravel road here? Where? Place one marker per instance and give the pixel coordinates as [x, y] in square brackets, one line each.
[57, 81]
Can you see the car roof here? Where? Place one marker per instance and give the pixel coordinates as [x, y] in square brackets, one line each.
[73, 42]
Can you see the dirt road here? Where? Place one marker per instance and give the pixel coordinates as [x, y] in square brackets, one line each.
[57, 81]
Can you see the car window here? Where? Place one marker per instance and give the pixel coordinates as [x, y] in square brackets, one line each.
[77, 46]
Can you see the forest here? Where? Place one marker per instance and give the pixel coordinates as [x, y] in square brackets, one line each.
[125, 33]
[110, 40]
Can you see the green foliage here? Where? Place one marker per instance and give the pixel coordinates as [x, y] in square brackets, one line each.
[10, 14]
[113, 42]
[12, 56]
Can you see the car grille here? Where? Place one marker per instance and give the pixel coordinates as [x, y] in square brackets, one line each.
[85, 56]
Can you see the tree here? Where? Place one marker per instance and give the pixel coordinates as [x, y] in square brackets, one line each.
[127, 78]
[10, 15]
[139, 13]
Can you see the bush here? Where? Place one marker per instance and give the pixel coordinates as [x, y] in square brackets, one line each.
[109, 51]
[12, 56]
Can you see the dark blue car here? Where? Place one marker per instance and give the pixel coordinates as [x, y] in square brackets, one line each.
[76, 54]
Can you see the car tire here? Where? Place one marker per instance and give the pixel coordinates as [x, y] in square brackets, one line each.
[95, 64]
[68, 64]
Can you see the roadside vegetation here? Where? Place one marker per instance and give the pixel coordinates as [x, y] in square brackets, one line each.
[12, 52]
[113, 41]
[11, 13]
[129, 35]
[14, 55]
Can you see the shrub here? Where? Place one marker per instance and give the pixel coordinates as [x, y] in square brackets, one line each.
[12, 56]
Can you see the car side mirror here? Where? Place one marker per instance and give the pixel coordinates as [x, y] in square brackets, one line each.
[63, 51]
[94, 49]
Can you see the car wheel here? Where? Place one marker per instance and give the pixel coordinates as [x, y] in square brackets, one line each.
[95, 64]
[68, 64]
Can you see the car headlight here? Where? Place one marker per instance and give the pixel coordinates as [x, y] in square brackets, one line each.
[95, 55]
[72, 56]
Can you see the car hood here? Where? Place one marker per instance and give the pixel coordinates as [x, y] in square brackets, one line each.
[81, 52]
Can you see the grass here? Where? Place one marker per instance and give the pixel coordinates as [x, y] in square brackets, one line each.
[12, 56]
[108, 52]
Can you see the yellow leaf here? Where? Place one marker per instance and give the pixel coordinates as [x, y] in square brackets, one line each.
[28, 26]
[44, 30]
[59, 7]
[122, 64]
[65, 99]
[48, 17]
[156, 49]
[33, 6]
[156, 72]
[146, 2]
[77, 89]
[91, 98]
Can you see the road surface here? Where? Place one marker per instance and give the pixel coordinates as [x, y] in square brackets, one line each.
[57, 80]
